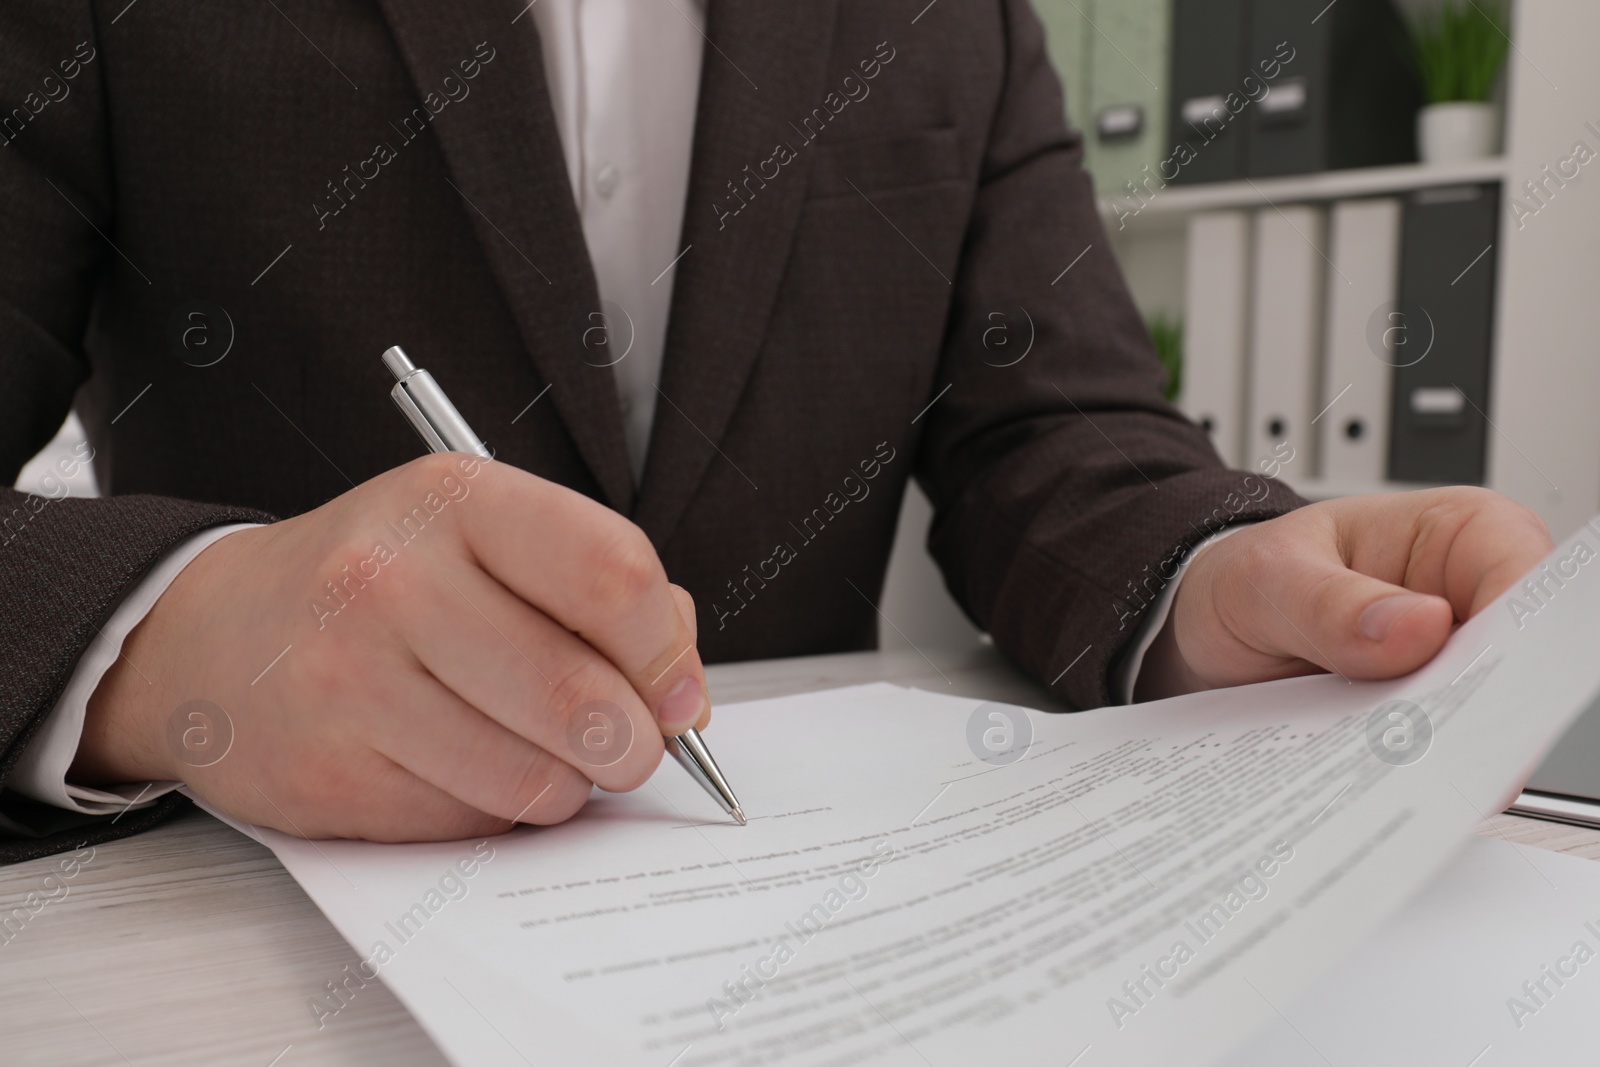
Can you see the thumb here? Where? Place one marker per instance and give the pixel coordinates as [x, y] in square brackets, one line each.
[1362, 627]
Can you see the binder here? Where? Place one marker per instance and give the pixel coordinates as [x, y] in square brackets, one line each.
[1348, 98]
[1208, 63]
[1129, 54]
[1440, 403]
[1286, 333]
[1216, 318]
[1353, 412]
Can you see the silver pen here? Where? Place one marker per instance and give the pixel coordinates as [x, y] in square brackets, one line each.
[442, 429]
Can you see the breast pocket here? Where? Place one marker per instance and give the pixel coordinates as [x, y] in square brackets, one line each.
[851, 168]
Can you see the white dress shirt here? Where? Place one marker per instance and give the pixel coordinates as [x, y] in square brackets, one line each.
[624, 81]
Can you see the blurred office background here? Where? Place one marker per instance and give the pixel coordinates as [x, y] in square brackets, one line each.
[1361, 234]
[1380, 256]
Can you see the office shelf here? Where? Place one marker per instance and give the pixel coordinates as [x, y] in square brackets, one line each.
[1319, 489]
[1173, 202]
[1543, 444]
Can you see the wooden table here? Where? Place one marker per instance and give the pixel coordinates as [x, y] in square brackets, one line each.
[190, 945]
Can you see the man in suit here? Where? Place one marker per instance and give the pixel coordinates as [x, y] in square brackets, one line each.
[714, 280]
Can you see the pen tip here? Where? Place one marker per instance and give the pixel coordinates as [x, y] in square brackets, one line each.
[738, 814]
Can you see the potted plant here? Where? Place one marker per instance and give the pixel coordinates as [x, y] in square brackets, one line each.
[1167, 336]
[1460, 49]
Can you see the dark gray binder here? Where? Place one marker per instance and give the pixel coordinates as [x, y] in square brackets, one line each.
[1445, 317]
[1347, 98]
[1208, 63]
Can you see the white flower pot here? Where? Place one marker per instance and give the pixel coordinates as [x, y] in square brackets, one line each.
[1458, 132]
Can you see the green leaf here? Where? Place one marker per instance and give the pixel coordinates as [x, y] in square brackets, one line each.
[1167, 335]
[1460, 48]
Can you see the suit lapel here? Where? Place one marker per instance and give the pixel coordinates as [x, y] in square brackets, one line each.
[726, 283]
[503, 150]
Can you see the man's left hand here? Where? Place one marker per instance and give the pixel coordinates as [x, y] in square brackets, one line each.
[1365, 587]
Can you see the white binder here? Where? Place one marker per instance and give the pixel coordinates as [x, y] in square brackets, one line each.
[1286, 335]
[1216, 320]
[1354, 421]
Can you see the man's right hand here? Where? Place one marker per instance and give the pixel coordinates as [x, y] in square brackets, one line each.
[446, 650]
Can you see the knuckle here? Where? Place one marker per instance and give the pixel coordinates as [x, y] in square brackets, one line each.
[421, 492]
[1526, 515]
[1458, 505]
[550, 792]
[623, 569]
[1467, 500]
[1253, 559]
[590, 678]
[564, 804]
[1463, 500]
[424, 472]
[540, 781]
[344, 573]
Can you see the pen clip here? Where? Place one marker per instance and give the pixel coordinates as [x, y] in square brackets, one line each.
[419, 421]
[429, 411]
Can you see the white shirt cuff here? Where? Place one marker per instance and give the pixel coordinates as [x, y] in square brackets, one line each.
[1155, 618]
[41, 772]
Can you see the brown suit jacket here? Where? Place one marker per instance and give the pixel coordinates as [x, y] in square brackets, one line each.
[883, 204]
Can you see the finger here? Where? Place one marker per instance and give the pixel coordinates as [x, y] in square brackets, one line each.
[435, 735]
[420, 811]
[1363, 627]
[1298, 598]
[687, 610]
[1367, 587]
[685, 603]
[530, 676]
[1464, 543]
[595, 573]
[361, 795]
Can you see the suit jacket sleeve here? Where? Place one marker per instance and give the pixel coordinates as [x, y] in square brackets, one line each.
[64, 563]
[1065, 489]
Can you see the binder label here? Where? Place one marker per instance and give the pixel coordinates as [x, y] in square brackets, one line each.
[1210, 117]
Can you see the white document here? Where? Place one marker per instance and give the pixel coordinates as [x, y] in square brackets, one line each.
[1286, 331]
[1357, 381]
[1497, 962]
[1144, 885]
[1216, 320]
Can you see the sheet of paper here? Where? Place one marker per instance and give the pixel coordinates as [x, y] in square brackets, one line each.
[1140, 885]
[1496, 962]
